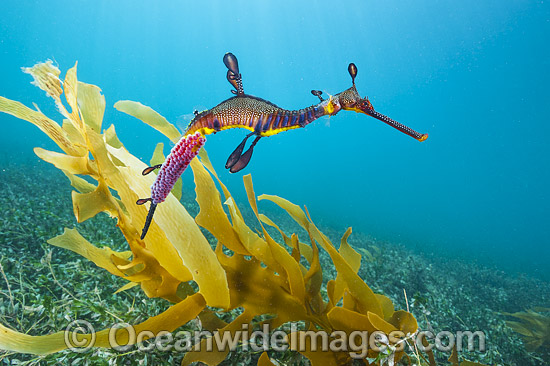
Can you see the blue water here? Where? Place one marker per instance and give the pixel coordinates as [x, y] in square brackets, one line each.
[472, 74]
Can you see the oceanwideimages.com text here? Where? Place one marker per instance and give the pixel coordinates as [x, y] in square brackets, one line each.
[356, 343]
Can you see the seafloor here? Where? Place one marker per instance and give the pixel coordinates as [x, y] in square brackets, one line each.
[42, 288]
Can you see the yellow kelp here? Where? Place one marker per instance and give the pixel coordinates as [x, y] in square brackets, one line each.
[247, 270]
[533, 326]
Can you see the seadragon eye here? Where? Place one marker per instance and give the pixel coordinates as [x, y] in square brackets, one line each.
[366, 104]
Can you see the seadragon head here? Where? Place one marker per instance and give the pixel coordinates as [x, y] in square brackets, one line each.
[350, 100]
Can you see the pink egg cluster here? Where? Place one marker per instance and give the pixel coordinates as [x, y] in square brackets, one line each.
[181, 155]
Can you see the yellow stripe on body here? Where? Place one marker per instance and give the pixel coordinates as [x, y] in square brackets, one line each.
[271, 132]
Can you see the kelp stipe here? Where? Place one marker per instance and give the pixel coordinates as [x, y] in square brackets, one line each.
[261, 276]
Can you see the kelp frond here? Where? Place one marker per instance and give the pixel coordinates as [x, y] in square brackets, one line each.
[533, 326]
[261, 276]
